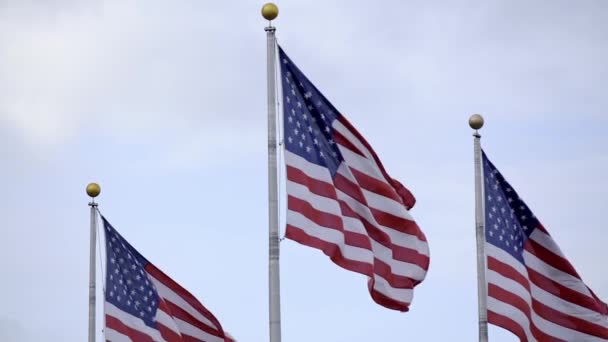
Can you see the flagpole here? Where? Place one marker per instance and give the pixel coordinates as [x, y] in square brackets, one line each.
[93, 191]
[270, 12]
[476, 122]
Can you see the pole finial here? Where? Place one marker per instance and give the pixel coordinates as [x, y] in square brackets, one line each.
[93, 190]
[476, 121]
[270, 11]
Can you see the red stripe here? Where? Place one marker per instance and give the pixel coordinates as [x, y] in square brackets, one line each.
[409, 197]
[349, 188]
[508, 324]
[388, 220]
[329, 221]
[386, 301]
[340, 139]
[325, 189]
[183, 293]
[564, 292]
[550, 258]
[398, 223]
[510, 298]
[397, 281]
[351, 238]
[398, 252]
[177, 312]
[540, 309]
[568, 321]
[314, 185]
[517, 302]
[135, 335]
[507, 271]
[168, 334]
[321, 218]
[374, 185]
[331, 250]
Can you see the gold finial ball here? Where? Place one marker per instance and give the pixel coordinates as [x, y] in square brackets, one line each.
[476, 121]
[270, 11]
[93, 189]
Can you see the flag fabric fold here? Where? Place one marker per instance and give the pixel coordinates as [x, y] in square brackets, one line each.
[341, 200]
[143, 304]
[533, 290]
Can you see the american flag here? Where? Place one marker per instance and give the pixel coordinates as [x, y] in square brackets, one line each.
[142, 304]
[533, 291]
[341, 200]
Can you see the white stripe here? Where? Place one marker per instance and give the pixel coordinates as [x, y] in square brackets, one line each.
[561, 332]
[361, 163]
[167, 294]
[310, 169]
[131, 321]
[509, 285]
[397, 237]
[381, 252]
[567, 308]
[403, 295]
[190, 330]
[166, 320]
[538, 294]
[565, 279]
[321, 203]
[349, 252]
[385, 255]
[326, 204]
[375, 200]
[512, 313]
[345, 132]
[354, 253]
[329, 235]
[506, 258]
[114, 336]
[546, 241]
[387, 205]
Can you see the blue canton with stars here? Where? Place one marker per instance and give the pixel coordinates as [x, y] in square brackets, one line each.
[307, 118]
[509, 221]
[127, 284]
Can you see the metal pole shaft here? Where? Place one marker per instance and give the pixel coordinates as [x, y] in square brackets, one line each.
[480, 235]
[274, 291]
[92, 269]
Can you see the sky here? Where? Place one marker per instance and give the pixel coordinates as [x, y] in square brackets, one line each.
[163, 103]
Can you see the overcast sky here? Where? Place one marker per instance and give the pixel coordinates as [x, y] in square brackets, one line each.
[164, 104]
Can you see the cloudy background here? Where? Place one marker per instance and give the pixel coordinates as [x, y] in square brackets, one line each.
[164, 104]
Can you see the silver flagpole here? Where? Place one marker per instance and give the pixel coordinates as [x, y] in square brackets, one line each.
[270, 12]
[476, 122]
[93, 191]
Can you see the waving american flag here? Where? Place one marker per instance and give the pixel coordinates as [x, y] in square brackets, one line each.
[533, 290]
[342, 201]
[142, 304]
